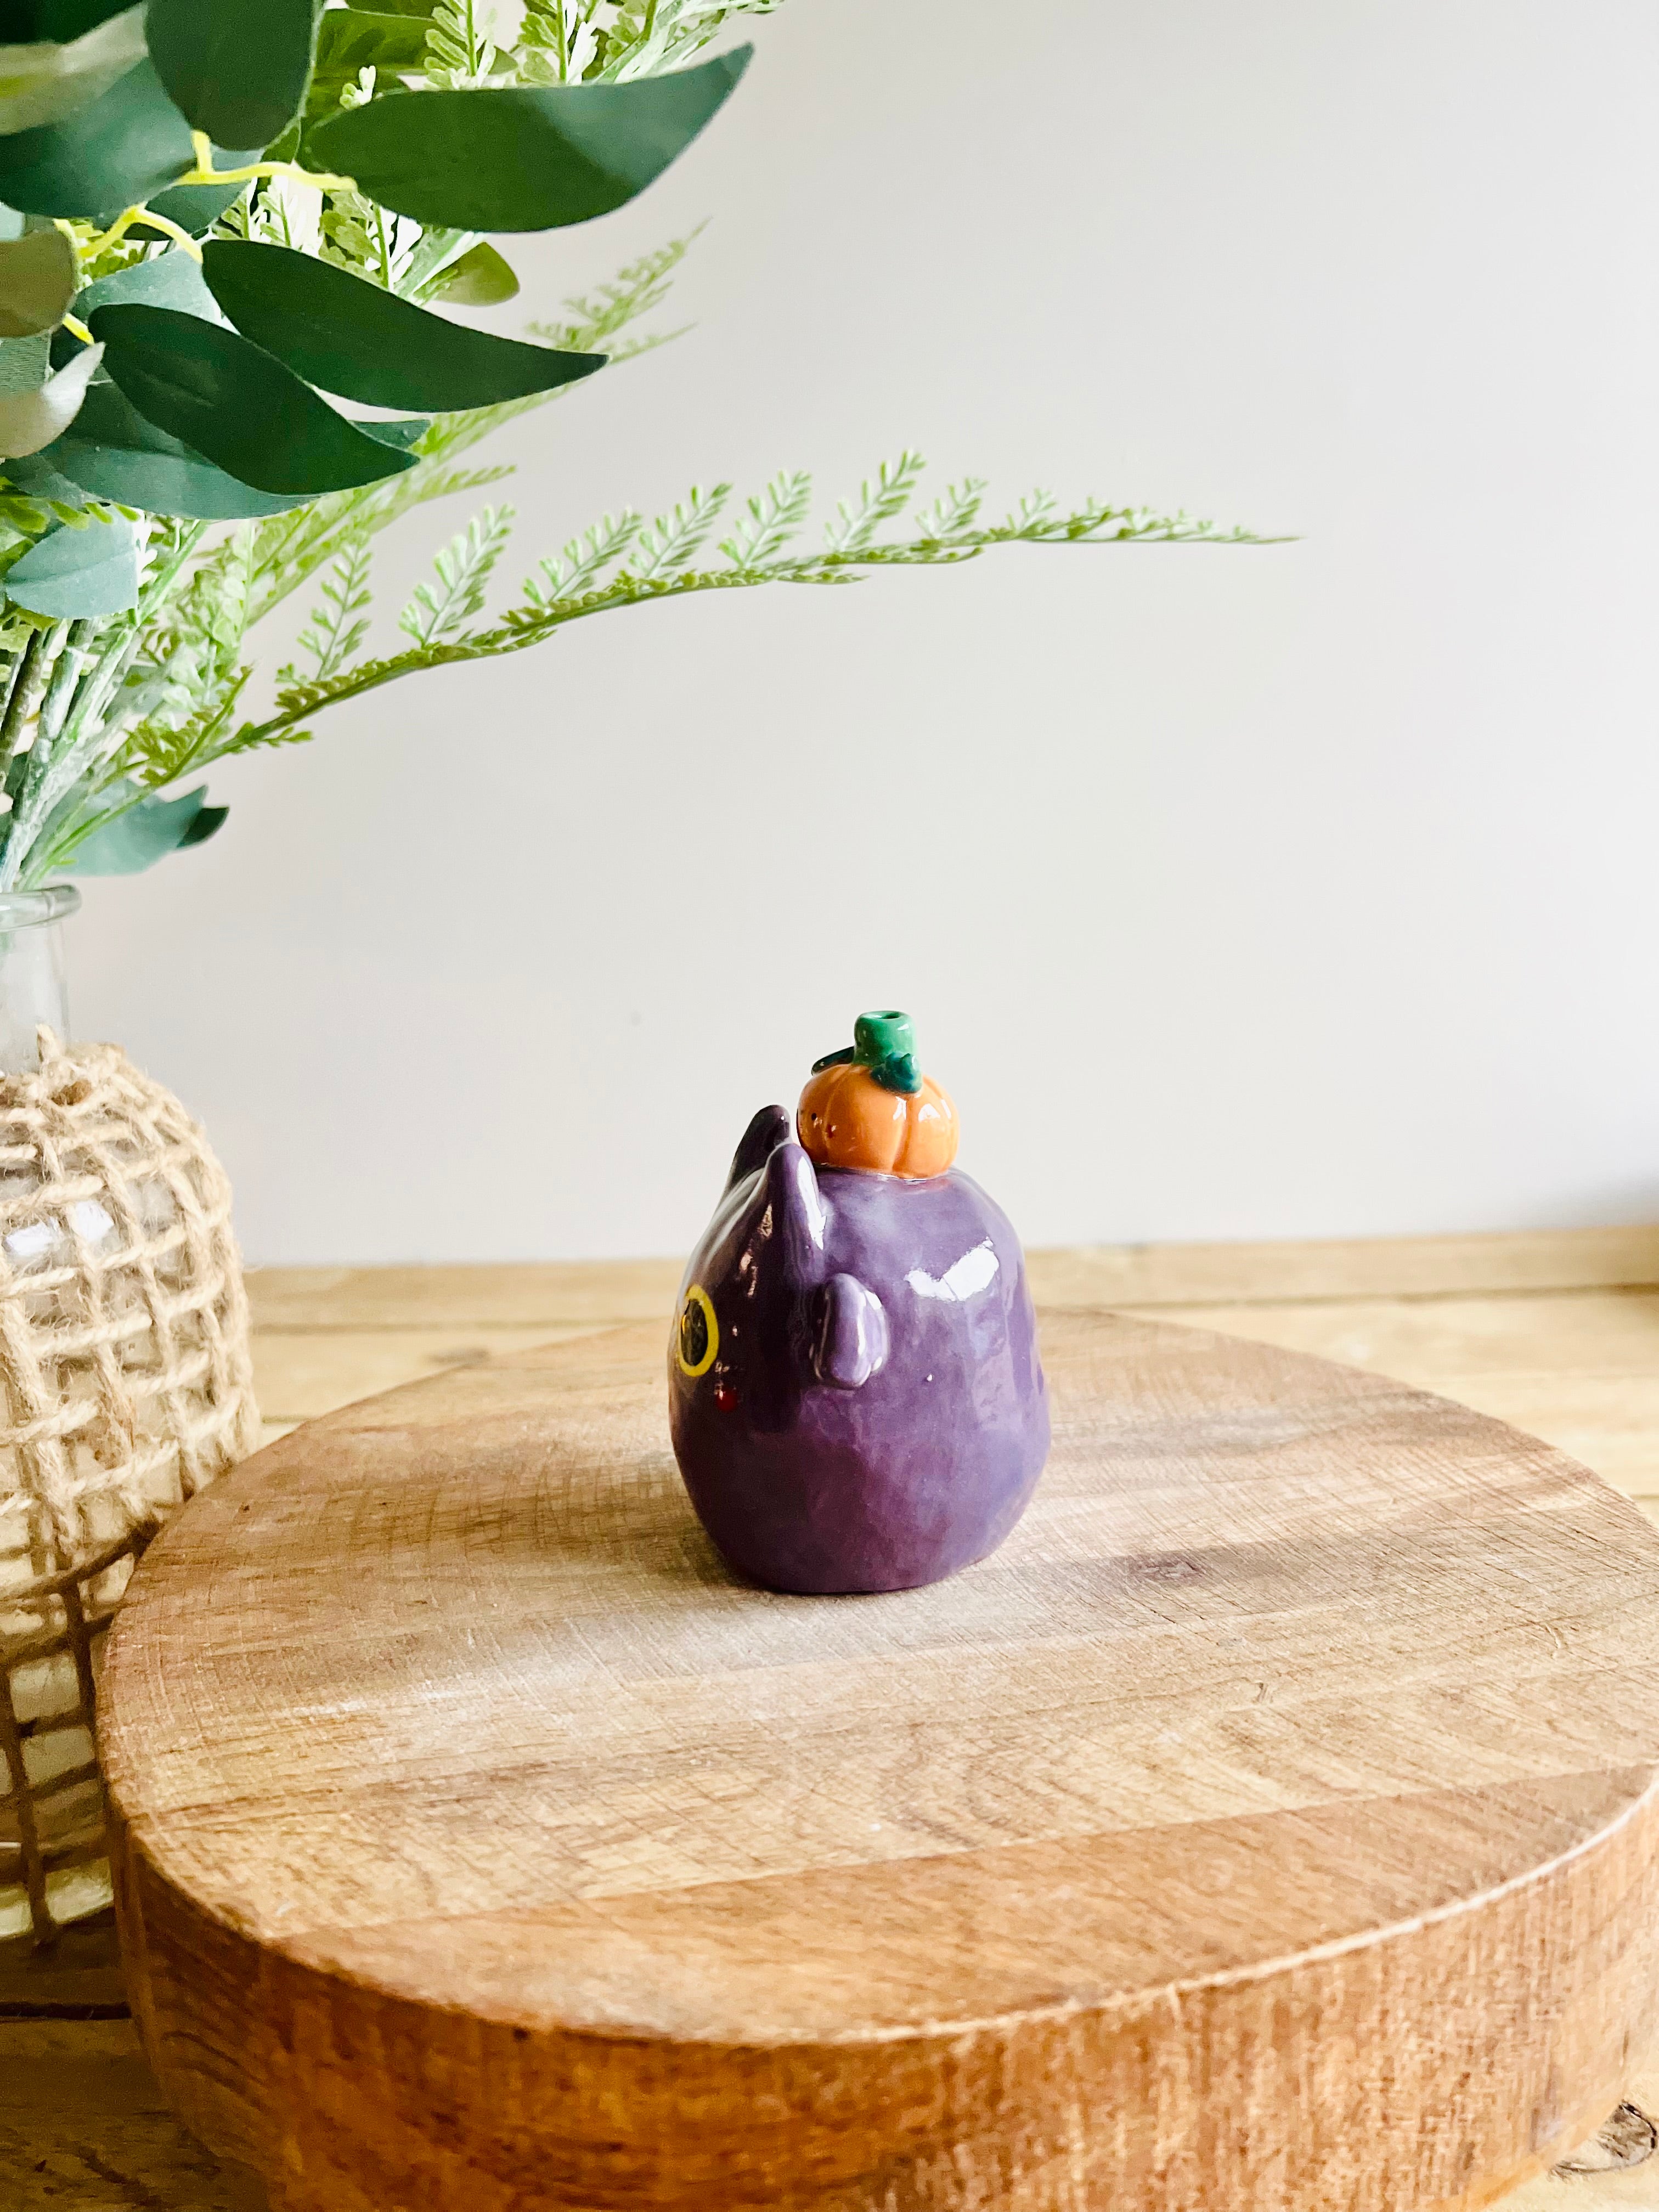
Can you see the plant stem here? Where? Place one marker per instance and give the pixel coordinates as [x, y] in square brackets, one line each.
[64, 678]
[205, 172]
[123, 223]
[72, 736]
[16, 698]
[27, 769]
[55, 767]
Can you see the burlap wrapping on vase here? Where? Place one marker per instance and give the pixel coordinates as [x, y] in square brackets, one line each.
[128, 1384]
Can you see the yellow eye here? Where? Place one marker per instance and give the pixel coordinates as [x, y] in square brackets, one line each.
[699, 1337]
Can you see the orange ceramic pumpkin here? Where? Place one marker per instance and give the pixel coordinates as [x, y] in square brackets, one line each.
[850, 1117]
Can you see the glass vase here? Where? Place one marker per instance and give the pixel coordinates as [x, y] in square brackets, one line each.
[34, 989]
[125, 1385]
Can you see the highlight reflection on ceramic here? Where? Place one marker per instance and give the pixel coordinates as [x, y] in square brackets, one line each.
[855, 1396]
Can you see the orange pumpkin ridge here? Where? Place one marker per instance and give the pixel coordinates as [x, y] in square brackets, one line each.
[845, 1119]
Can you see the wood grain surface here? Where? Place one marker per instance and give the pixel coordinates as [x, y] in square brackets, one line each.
[578, 1293]
[1271, 1823]
[84, 2127]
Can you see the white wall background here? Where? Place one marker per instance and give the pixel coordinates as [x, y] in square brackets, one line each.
[1295, 891]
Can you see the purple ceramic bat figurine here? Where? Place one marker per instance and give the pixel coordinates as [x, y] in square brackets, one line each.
[854, 1391]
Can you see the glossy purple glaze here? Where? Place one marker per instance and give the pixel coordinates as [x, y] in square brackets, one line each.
[874, 1415]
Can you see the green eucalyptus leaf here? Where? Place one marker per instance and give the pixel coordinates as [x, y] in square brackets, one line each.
[236, 69]
[114, 452]
[63, 20]
[352, 39]
[194, 207]
[25, 363]
[70, 573]
[145, 831]
[404, 433]
[170, 280]
[45, 81]
[131, 143]
[519, 159]
[35, 475]
[38, 278]
[234, 403]
[349, 337]
[477, 278]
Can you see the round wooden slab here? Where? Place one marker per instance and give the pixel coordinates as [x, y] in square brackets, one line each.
[1270, 1823]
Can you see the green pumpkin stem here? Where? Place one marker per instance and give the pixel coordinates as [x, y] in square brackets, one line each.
[886, 1045]
[898, 1071]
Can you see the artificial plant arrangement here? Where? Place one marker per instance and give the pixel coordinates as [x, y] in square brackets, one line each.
[223, 218]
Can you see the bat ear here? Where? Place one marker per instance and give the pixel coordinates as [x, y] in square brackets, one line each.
[770, 1128]
[795, 1213]
[850, 1334]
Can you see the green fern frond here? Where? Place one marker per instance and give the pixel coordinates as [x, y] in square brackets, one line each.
[770, 521]
[339, 626]
[648, 35]
[575, 586]
[302, 700]
[289, 548]
[210, 614]
[673, 539]
[591, 318]
[157, 752]
[560, 42]
[1033, 509]
[956, 509]
[443, 483]
[268, 740]
[883, 501]
[584, 560]
[22, 517]
[457, 52]
[436, 612]
[575, 589]
[1035, 523]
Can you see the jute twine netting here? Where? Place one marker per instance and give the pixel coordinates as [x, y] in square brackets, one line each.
[124, 1354]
